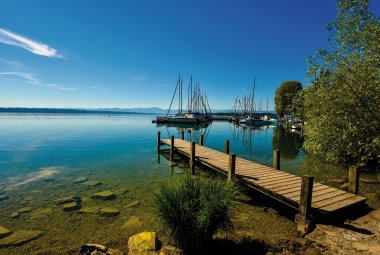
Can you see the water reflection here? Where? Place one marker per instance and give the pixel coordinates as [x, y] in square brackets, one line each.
[251, 137]
[288, 143]
[192, 132]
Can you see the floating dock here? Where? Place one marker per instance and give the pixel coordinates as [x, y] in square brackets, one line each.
[284, 187]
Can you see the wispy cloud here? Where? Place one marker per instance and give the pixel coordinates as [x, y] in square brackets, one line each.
[98, 87]
[12, 63]
[137, 77]
[35, 47]
[53, 85]
[31, 78]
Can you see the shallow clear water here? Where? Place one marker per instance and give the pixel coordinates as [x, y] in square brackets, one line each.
[42, 155]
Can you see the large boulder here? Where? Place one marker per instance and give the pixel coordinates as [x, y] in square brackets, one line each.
[109, 211]
[4, 232]
[71, 207]
[98, 249]
[104, 195]
[143, 242]
[20, 237]
[81, 179]
[133, 204]
[90, 249]
[41, 213]
[66, 200]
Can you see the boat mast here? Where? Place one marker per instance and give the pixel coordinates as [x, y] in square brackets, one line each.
[179, 94]
[191, 93]
[253, 92]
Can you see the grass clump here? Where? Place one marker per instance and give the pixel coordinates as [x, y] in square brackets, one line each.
[191, 209]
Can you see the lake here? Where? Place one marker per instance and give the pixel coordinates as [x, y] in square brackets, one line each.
[46, 159]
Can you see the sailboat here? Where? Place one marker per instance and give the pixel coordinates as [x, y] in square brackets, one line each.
[198, 108]
[249, 107]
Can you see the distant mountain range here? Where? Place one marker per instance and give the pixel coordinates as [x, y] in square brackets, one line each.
[141, 110]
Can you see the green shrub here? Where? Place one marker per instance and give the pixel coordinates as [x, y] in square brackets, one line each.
[192, 209]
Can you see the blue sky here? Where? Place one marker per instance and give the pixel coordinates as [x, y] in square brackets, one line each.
[129, 53]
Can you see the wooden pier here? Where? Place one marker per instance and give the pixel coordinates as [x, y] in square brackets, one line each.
[289, 189]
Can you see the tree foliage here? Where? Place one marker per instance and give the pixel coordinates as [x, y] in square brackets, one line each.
[284, 96]
[341, 105]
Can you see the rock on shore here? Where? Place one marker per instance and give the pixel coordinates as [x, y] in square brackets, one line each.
[20, 237]
[142, 243]
[361, 236]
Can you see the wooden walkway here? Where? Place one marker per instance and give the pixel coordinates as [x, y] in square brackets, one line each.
[280, 185]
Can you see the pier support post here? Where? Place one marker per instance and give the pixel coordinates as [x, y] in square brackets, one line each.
[202, 140]
[353, 180]
[158, 146]
[182, 135]
[192, 157]
[276, 159]
[227, 146]
[303, 217]
[158, 140]
[172, 147]
[231, 166]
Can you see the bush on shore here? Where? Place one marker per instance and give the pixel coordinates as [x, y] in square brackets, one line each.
[192, 209]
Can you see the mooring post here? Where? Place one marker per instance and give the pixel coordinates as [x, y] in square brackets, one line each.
[303, 217]
[353, 180]
[202, 140]
[182, 135]
[227, 146]
[158, 140]
[231, 166]
[276, 159]
[192, 157]
[172, 147]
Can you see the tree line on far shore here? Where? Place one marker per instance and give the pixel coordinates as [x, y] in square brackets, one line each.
[340, 105]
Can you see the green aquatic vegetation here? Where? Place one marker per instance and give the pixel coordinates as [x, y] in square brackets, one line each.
[191, 209]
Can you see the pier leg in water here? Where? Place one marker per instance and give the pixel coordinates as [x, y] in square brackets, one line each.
[158, 147]
[182, 135]
[192, 157]
[303, 218]
[202, 139]
[171, 147]
[158, 140]
[227, 146]
[276, 159]
[231, 166]
[353, 180]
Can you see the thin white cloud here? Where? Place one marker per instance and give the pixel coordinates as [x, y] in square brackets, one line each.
[137, 77]
[98, 87]
[30, 78]
[53, 85]
[35, 47]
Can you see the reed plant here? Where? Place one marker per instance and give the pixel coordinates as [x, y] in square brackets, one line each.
[191, 209]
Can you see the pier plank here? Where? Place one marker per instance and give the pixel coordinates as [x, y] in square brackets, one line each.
[284, 187]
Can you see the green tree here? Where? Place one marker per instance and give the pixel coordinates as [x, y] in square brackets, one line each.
[341, 105]
[284, 96]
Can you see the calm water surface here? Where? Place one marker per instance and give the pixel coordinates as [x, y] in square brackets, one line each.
[41, 156]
